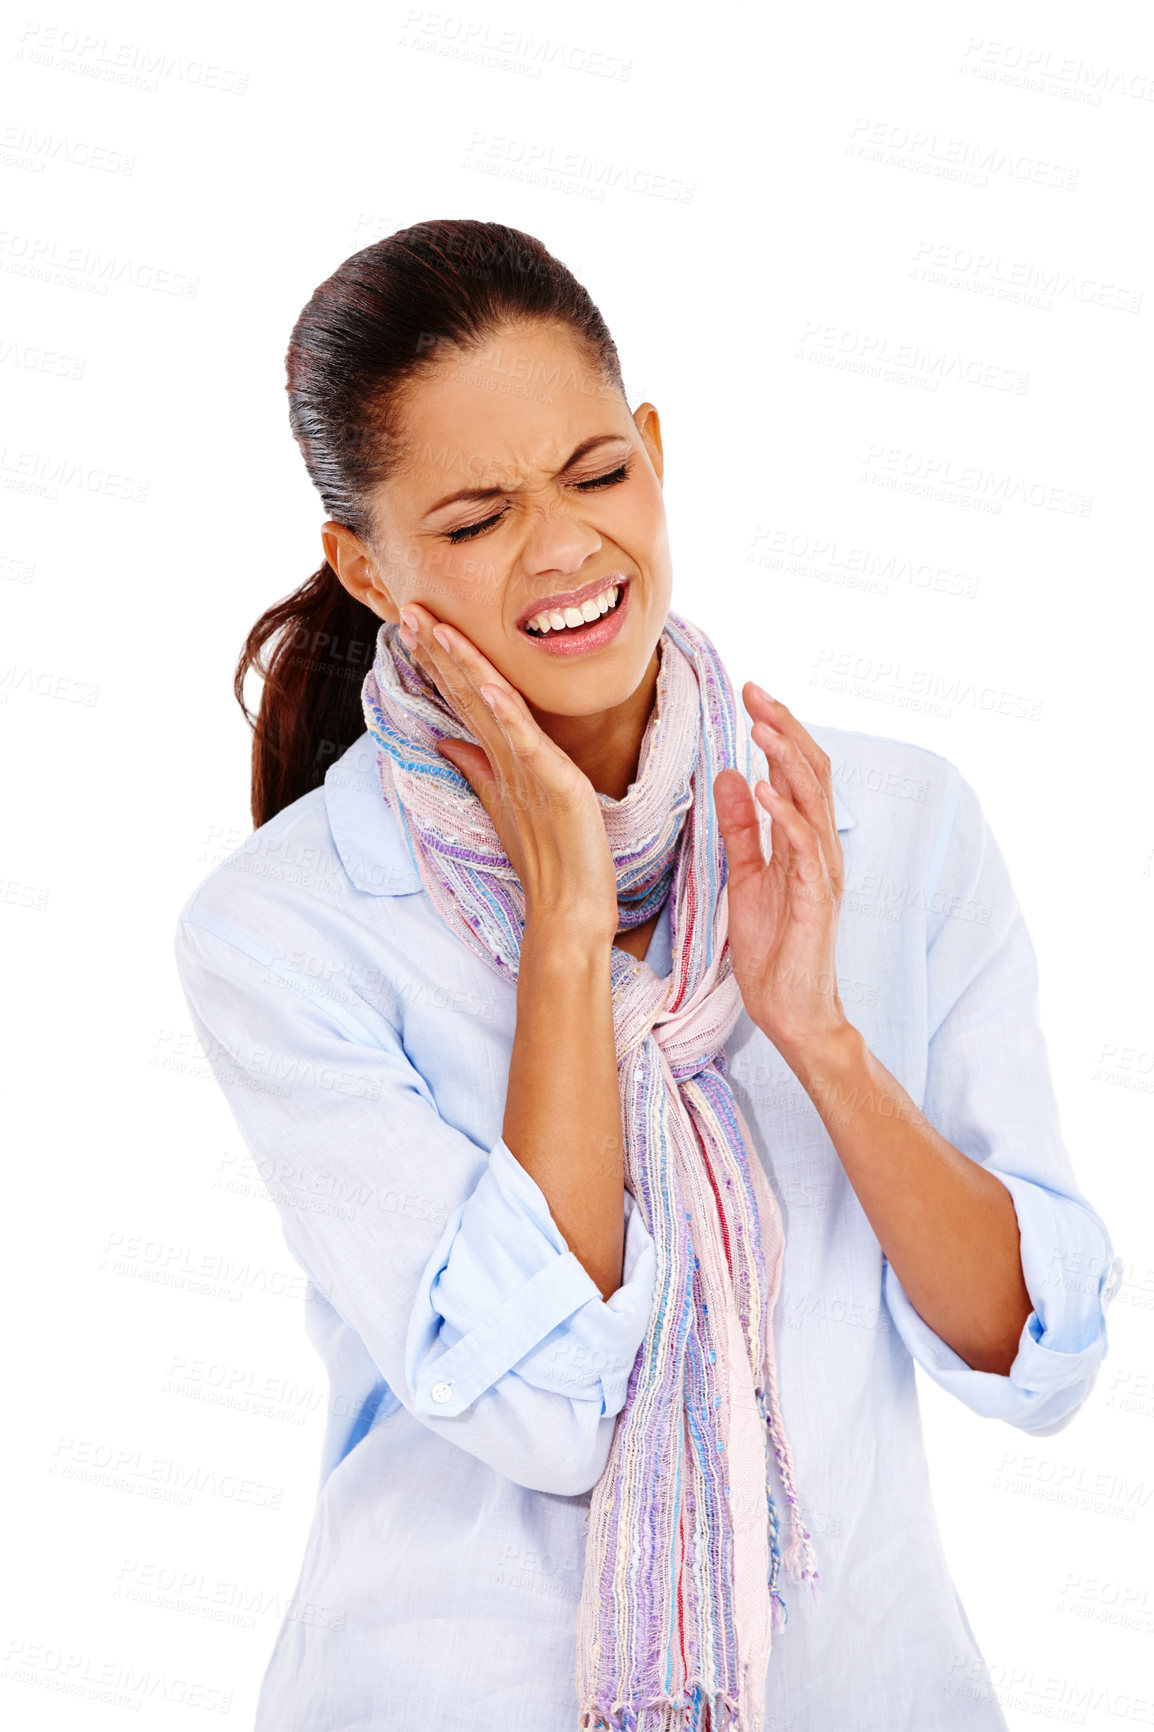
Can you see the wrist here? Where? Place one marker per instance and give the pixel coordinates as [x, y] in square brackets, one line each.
[570, 948]
[827, 1060]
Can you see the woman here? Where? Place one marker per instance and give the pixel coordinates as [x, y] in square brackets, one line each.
[633, 1162]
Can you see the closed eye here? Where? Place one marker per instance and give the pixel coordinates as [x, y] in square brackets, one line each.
[610, 480]
[470, 530]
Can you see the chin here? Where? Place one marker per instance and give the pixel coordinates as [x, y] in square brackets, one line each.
[571, 690]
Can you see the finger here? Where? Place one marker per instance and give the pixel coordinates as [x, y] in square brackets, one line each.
[525, 737]
[474, 765]
[797, 775]
[422, 663]
[806, 865]
[480, 673]
[453, 680]
[422, 660]
[531, 772]
[450, 649]
[527, 740]
[763, 708]
[738, 822]
[478, 718]
[780, 848]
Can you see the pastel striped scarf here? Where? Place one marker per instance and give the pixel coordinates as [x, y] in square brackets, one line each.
[683, 1567]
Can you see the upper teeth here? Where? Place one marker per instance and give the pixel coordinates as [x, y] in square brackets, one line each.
[558, 618]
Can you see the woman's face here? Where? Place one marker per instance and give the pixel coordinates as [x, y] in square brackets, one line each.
[525, 487]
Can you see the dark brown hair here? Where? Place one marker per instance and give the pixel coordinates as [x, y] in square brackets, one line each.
[367, 332]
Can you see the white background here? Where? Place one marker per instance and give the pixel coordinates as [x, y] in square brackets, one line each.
[887, 277]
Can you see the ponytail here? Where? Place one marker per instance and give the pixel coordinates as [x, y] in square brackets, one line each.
[322, 645]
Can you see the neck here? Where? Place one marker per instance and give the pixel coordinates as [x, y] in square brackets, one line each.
[607, 746]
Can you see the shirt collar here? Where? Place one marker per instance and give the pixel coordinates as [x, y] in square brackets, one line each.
[373, 847]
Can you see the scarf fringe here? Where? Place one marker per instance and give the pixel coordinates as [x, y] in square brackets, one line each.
[798, 1560]
[694, 1710]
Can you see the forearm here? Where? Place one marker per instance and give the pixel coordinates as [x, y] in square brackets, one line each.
[562, 1109]
[947, 1226]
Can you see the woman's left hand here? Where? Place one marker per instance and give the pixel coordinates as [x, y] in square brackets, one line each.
[783, 912]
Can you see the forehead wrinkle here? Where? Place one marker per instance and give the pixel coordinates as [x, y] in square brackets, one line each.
[507, 473]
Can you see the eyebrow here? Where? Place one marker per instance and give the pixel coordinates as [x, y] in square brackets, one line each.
[585, 446]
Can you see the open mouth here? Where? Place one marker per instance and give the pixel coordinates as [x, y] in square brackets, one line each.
[573, 621]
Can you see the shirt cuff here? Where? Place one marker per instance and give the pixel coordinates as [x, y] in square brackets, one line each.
[502, 1292]
[1071, 1275]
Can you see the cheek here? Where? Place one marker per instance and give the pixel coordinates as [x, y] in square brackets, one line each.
[474, 588]
[647, 513]
[462, 585]
[650, 543]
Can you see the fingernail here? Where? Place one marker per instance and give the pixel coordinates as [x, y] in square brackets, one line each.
[761, 692]
[410, 619]
[442, 638]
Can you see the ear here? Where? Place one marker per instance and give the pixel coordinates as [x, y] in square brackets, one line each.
[649, 426]
[357, 571]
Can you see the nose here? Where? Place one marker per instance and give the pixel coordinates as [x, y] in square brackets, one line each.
[559, 541]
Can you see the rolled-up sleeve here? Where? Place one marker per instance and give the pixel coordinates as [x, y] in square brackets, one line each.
[503, 1292]
[443, 1256]
[989, 1092]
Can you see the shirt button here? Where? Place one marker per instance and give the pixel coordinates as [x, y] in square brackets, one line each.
[441, 1391]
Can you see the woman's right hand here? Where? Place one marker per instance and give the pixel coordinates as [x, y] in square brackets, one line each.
[562, 1117]
[544, 809]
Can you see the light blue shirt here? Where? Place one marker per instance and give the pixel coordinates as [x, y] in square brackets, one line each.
[475, 1370]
